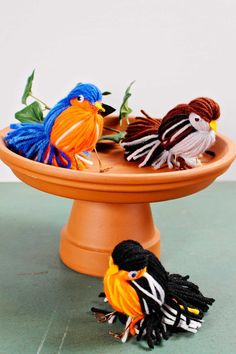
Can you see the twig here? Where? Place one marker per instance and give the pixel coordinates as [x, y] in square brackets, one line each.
[112, 129]
[37, 99]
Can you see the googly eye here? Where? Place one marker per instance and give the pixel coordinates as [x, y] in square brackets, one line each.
[198, 122]
[133, 274]
[80, 98]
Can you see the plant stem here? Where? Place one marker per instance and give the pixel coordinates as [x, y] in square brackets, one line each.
[112, 129]
[37, 99]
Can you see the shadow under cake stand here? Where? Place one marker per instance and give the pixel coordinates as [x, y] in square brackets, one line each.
[113, 206]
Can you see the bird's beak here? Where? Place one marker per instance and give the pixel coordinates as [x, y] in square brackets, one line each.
[142, 272]
[213, 125]
[99, 106]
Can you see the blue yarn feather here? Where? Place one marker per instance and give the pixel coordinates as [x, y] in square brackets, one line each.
[33, 139]
[51, 154]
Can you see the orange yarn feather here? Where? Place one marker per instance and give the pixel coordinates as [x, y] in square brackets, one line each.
[77, 130]
[120, 294]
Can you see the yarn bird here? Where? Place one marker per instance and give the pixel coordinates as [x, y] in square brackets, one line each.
[153, 302]
[69, 132]
[177, 140]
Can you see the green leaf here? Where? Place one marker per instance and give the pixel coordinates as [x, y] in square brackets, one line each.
[106, 93]
[125, 110]
[28, 88]
[114, 137]
[108, 110]
[31, 113]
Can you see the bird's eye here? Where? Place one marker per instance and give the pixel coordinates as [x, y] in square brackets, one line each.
[197, 119]
[80, 98]
[133, 274]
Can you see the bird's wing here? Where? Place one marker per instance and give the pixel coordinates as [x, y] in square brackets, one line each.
[152, 299]
[151, 296]
[141, 127]
[174, 129]
[151, 293]
[142, 140]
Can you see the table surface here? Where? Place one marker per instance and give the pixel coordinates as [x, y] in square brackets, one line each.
[45, 307]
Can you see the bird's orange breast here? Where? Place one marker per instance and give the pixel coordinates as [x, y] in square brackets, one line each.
[121, 295]
[77, 129]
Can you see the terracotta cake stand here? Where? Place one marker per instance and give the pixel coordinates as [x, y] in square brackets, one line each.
[113, 206]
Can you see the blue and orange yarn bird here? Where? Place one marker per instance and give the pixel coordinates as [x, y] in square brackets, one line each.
[69, 132]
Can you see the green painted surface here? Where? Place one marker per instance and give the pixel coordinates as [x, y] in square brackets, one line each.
[44, 306]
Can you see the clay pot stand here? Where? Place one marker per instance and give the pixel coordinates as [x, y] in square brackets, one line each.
[113, 206]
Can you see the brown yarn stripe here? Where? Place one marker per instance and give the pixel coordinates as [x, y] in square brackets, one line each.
[165, 134]
[169, 144]
[169, 122]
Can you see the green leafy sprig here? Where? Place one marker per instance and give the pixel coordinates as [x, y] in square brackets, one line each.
[31, 113]
[113, 137]
[34, 111]
[28, 88]
[125, 110]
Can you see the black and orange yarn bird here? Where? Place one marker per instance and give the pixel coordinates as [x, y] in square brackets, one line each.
[176, 140]
[152, 302]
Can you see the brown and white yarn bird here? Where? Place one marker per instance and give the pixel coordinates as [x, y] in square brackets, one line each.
[177, 140]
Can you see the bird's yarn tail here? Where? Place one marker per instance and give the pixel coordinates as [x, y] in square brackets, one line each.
[28, 139]
[185, 303]
[174, 317]
[31, 141]
[141, 141]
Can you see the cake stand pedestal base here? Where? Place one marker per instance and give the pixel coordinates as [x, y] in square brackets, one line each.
[94, 229]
